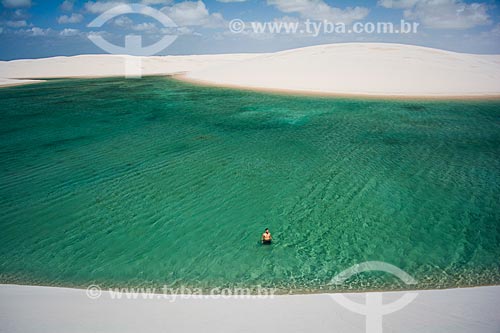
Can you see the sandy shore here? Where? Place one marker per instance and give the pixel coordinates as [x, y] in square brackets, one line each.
[14, 82]
[388, 70]
[107, 65]
[296, 92]
[363, 69]
[45, 309]
[351, 69]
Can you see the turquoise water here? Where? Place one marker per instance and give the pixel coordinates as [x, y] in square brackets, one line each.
[151, 182]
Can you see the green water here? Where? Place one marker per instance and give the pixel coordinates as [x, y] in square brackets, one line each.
[151, 182]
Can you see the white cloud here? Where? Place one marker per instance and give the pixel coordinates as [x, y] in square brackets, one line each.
[39, 31]
[103, 34]
[20, 14]
[16, 24]
[74, 18]
[146, 26]
[186, 13]
[227, 1]
[67, 5]
[186, 31]
[397, 3]
[36, 31]
[16, 3]
[442, 14]
[320, 10]
[178, 31]
[98, 7]
[496, 30]
[492, 35]
[69, 32]
[123, 21]
[127, 23]
[193, 13]
[156, 2]
[449, 14]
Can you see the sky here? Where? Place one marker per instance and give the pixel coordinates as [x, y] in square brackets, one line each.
[46, 28]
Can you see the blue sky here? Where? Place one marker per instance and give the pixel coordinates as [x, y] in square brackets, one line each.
[36, 28]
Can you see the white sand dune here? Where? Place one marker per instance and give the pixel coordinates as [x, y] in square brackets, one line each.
[14, 82]
[360, 69]
[43, 309]
[105, 65]
[363, 69]
[353, 69]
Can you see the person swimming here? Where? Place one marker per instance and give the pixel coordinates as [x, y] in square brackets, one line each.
[266, 237]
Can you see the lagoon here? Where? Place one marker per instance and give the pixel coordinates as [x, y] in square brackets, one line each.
[157, 182]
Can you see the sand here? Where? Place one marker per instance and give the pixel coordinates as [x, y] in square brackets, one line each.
[363, 69]
[14, 82]
[108, 65]
[44, 309]
[351, 69]
[366, 69]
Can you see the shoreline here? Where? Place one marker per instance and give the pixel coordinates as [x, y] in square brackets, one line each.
[17, 82]
[304, 93]
[341, 70]
[182, 77]
[51, 309]
[277, 292]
